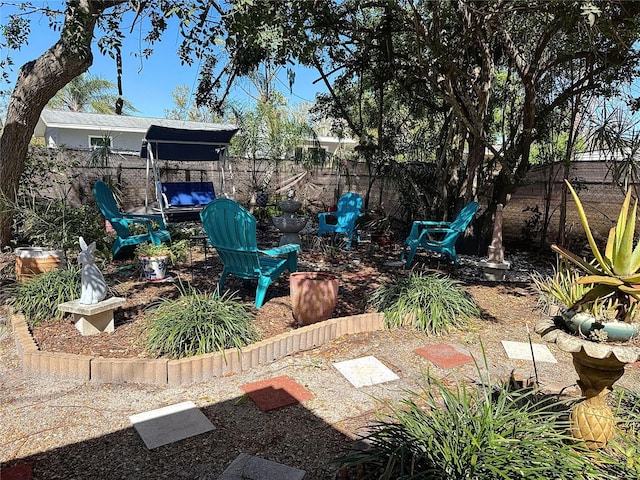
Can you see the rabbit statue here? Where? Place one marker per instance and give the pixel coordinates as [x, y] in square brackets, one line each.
[94, 288]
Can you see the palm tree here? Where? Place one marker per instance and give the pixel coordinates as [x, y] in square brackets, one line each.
[90, 94]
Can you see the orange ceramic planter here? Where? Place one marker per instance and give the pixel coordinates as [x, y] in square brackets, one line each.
[313, 296]
[32, 261]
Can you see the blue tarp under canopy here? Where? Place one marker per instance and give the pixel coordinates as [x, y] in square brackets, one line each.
[186, 144]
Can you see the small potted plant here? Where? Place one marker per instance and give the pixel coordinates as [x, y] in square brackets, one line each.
[600, 311]
[612, 278]
[154, 258]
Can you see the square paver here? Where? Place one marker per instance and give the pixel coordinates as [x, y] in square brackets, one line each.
[522, 351]
[248, 467]
[170, 424]
[444, 355]
[365, 371]
[21, 471]
[277, 392]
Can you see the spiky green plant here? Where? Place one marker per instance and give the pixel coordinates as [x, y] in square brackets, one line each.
[621, 457]
[615, 274]
[429, 303]
[563, 289]
[39, 298]
[465, 433]
[198, 323]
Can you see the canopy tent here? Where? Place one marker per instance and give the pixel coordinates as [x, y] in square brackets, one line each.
[188, 144]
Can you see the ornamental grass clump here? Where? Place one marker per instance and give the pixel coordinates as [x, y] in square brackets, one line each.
[563, 290]
[621, 458]
[465, 433]
[38, 299]
[429, 303]
[198, 323]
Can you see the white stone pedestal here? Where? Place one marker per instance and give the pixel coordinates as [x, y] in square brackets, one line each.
[95, 318]
[494, 271]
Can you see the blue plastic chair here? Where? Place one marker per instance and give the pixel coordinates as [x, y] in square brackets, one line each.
[232, 232]
[423, 235]
[121, 222]
[349, 210]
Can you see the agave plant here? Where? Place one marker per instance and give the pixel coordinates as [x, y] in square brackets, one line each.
[616, 274]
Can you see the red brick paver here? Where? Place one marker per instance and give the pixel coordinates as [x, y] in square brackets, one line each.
[276, 392]
[22, 471]
[444, 355]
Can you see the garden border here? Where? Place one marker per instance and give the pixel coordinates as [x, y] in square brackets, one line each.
[186, 370]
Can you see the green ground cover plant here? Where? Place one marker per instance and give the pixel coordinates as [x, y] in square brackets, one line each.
[198, 323]
[430, 303]
[621, 457]
[464, 432]
[39, 298]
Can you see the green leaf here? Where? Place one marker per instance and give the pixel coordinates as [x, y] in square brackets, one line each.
[605, 265]
[625, 229]
[580, 262]
[601, 279]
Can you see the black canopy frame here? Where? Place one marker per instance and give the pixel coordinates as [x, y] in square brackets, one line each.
[186, 145]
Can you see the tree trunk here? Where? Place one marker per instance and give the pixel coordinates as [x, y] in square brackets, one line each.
[38, 81]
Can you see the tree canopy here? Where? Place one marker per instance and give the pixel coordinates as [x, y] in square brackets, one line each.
[486, 77]
[90, 94]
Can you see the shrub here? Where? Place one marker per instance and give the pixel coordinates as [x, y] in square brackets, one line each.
[461, 433]
[55, 223]
[621, 457]
[430, 303]
[198, 323]
[39, 298]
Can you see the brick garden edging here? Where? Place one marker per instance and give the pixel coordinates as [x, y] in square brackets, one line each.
[187, 370]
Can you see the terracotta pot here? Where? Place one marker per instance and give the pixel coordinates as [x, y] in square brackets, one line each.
[382, 239]
[32, 261]
[313, 296]
[154, 268]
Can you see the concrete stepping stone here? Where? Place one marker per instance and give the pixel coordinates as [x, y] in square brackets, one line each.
[170, 424]
[21, 471]
[522, 351]
[249, 467]
[444, 355]
[277, 392]
[365, 371]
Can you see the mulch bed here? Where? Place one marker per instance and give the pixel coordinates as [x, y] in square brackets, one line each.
[360, 271]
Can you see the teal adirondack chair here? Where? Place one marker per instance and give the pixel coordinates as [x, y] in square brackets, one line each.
[349, 210]
[423, 234]
[232, 232]
[120, 221]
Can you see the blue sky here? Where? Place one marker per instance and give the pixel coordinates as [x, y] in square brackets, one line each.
[148, 84]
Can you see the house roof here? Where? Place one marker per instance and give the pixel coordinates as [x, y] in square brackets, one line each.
[115, 123]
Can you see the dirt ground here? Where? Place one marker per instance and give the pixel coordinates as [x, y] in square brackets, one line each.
[70, 429]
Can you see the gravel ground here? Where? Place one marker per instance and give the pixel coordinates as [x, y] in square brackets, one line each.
[76, 430]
